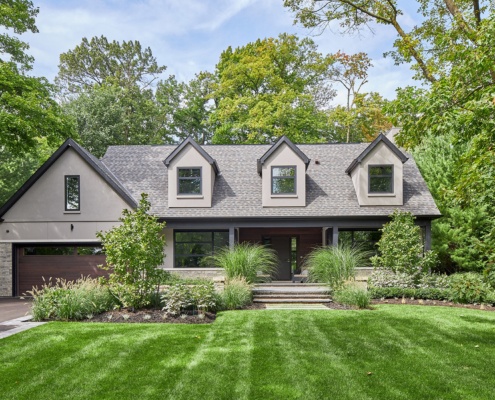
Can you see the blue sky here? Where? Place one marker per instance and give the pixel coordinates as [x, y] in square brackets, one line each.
[188, 35]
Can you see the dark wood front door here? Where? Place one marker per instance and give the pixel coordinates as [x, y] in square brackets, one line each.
[282, 245]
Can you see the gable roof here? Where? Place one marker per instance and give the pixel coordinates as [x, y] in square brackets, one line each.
[380, 139]
[192, 142]
[96, 164]
[282, 140]
[237, 192]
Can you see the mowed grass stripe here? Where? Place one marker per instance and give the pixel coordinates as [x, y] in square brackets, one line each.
[411, 353]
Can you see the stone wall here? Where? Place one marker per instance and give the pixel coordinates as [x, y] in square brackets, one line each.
[208, 273]
[5, 269]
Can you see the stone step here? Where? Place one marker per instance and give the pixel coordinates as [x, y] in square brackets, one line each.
[291, 300]
[289, 284]
[295, 306]
[294, 295]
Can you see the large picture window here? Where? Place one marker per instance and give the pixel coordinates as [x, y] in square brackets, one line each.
[72, 193]
[189, 181]
[364, 239]
[284, 180]
[381, 179]
[192, 247]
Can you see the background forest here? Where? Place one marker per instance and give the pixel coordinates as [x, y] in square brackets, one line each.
[109, 92]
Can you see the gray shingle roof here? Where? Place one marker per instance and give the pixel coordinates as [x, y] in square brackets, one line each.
[237, 190]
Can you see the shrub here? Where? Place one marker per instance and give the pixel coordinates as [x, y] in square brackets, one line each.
[180, 298]
[334, 265]
[381, 277]
[175, 278]
[67, 300]
[353, 296]
[252, 262]
[237, 294]
[400, 247]
[469, 287]
[394, 292]
[134, 250]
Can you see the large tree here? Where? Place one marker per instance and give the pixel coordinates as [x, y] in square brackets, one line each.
[269, 88]
[107, 90]
[27, 109]
[452, 51]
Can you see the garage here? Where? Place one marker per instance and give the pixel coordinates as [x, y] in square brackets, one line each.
[67, 261]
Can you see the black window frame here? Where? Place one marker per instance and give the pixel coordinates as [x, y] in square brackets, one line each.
[78, 177]
[294, 178]
[212, 242]
[179, 179]
[391, 176]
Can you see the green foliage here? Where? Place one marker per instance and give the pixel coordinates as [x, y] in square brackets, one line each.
[180, 298]
[334, 265]
[236, 294]
[134, 250]
[469, 287]
[114, 115]
[99, 62]
[18, 15]
[269, 88]
[353, 296]
[253, 262]
[67, 300]
[186, 107]
[410, 293]
[401, 248]
[175, 278]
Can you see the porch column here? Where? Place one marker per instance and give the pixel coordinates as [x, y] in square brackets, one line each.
[335, 236]
[428, 236]
[231, 237]
[324, 233]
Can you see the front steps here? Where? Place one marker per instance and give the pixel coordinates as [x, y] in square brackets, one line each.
[291, 293]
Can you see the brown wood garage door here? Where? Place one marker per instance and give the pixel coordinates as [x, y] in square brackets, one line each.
[68, 262]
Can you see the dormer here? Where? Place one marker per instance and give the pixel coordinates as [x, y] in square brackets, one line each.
[283, 175]
[377, 174]
[191, 176]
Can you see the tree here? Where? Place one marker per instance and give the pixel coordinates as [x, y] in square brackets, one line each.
[112, 115]
[400, 246]
[186, 107]
[27, 110]
[361, 123]
[269, 88]
[134, 251]
[100, 62]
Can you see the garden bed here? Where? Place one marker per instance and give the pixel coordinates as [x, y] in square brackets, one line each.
[438, 303]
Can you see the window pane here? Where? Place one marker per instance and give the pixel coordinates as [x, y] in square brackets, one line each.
[189, 185]
[72, 193]
[381, 170]
[189, 173]
[48, 251]
[192, 248]
[380, 184]
[283, 185]
[90, 251]
[193, 236]
[284, 171]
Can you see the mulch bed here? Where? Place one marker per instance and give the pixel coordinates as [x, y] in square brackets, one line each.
[159, 316]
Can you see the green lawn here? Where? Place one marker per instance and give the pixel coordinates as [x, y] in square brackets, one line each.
[393, 352]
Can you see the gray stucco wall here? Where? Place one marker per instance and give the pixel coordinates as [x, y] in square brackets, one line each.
[5, 269]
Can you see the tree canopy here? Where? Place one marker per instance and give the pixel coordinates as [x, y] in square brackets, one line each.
[271, 87]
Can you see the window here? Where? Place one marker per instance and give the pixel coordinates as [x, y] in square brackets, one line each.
[191, 247]
[72, 193]
[284, 180]
[364, 239]
[381, 178]
[189, 181]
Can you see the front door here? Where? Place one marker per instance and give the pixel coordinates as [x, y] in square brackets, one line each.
[282, 245]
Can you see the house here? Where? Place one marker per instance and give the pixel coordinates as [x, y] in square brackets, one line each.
[291, 197]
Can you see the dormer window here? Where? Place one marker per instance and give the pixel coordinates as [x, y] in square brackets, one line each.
[72, 193]
[381, 178]
[284, 179]
[189, 181]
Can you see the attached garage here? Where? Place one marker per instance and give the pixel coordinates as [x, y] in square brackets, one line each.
[67, 261]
